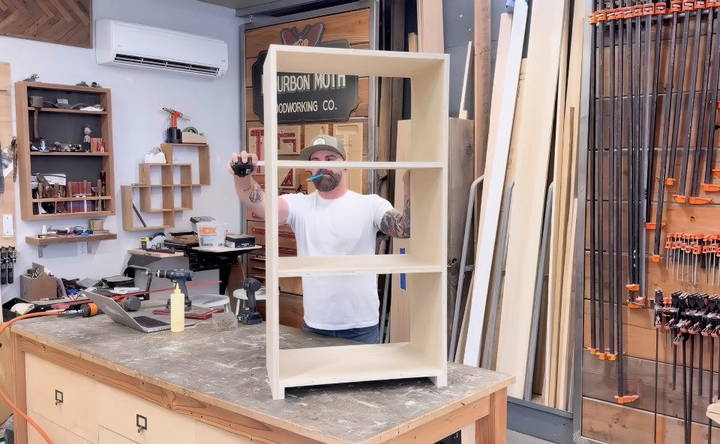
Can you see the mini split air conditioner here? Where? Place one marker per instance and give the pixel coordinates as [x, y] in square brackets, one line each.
[132, 45]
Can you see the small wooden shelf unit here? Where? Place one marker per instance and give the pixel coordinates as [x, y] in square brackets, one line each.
[170, 202]
[424, 355]
[71, 126]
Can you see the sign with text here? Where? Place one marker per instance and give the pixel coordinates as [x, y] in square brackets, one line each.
[304, 97]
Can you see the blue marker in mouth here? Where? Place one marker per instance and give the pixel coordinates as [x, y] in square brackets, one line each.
[316, 177]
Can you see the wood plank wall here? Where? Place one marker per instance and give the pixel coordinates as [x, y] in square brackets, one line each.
[603, 419]
[66, 22]
[355, 28]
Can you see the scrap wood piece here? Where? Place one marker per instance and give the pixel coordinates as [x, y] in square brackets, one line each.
[493, 189]
[430, 26]
[531, 177]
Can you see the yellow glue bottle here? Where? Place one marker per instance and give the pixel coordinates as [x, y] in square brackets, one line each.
[177, 310]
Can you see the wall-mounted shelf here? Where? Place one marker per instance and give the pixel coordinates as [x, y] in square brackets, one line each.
[64, 125]
[42, 242]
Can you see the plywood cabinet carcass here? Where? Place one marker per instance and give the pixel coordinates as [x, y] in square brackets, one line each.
[425, 261]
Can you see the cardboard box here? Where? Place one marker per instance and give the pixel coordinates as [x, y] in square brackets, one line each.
[188, 137]
[43, 286]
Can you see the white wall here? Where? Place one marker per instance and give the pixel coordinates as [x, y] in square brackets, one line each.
[138, 122]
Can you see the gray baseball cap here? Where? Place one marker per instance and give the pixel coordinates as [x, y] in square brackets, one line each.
[323, 142]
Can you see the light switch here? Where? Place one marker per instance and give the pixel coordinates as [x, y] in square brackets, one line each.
[7, 221]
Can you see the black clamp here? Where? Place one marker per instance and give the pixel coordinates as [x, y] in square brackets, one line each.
[241, 168]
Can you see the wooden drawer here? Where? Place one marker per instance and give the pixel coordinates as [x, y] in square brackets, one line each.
[205, 433]
[141, 421]
[61, 396]
[59, 435]
[106, 436]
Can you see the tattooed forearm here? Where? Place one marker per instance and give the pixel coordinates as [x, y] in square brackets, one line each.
[256, 194]
[396, 224]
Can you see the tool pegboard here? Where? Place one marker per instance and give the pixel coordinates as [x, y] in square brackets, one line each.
[652, 247]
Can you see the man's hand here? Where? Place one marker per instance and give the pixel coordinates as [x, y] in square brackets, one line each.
[395, 223]
[241, 164]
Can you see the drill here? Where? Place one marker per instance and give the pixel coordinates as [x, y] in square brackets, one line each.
[178, 277]
[174, 135]
[249, 315]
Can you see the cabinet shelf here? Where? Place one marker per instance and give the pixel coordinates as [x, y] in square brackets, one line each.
[351, 363]
[328, 265]
[80, 154]
[42, 241]
[71, 199]
[358, 165]
[72, 111]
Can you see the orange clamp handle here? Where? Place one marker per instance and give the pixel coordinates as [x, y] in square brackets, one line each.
[699, 201]
[611, 356]
[601, 356]
[688, 5]
[670, 181]
[660, 8]
[633, 287]
[716, 172]
[700, 4]
[637, 10]
[650, 225]
[710, 188]
[648, 9]
[627, 399]
[675, 5]
[655, 258]
[680, 198]
[627, 12]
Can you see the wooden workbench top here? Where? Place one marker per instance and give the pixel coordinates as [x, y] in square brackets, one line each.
[227, 369]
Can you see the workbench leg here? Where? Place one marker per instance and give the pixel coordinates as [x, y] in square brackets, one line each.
[18, 365]
[492, 429]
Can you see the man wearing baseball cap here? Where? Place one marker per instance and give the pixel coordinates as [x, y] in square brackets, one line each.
[333, 221]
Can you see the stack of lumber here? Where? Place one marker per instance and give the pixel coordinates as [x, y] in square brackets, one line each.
[518, 315]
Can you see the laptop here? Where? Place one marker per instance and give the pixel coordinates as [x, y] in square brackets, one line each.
[141, 323]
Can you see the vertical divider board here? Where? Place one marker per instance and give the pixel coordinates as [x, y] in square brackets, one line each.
[425, 353]
[7, 206]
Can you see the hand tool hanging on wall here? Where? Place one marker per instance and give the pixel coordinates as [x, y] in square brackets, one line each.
[686, 8]
[658, 11]
[706, 83]
[675, 7]
[681, 195]
[594, 136]
[613, 142]
[708, 186]
[633, 285]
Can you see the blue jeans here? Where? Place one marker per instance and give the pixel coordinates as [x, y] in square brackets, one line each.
[367, 335]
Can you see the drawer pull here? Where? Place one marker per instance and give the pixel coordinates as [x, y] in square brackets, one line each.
[59, 398]
[141, 423]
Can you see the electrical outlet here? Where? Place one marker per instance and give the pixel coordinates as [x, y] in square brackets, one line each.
[7, 221]
[82, 248]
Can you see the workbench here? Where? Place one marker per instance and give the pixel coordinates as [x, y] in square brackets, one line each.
[92, 380]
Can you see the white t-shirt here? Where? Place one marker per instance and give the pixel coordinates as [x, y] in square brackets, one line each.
[347, 225]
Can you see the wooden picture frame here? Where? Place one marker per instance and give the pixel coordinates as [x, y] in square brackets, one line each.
[424, 354]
